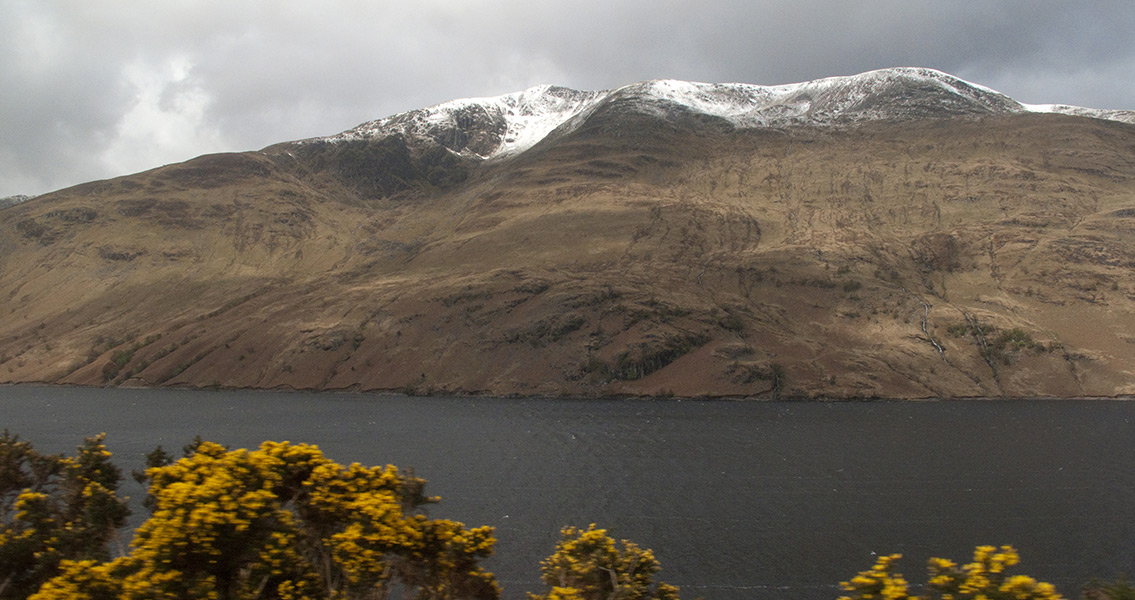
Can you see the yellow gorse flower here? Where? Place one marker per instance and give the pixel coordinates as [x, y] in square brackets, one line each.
[589, 565]
[232, 523]
[982, 579]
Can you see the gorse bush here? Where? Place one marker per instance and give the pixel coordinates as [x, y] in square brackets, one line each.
[983, 579]
[281, 521]
[589, 565]
[53, 509]
[284, 522]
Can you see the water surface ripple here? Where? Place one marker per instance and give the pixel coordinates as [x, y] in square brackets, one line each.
[738, 500]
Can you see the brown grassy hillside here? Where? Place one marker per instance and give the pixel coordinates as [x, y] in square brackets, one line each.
[938, 258]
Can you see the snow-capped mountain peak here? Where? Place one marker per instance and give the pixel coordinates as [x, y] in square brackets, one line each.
[508, 125]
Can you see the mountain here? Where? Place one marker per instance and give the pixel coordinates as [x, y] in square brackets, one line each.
[900, 233]
[510, 124]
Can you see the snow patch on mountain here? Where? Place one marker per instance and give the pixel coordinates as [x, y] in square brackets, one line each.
[897, 93]
[534, 113]
[1125, 116]
[14, 200]
[513, 122]
[510, 124]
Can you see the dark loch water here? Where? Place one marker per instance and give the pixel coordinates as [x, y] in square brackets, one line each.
[738, 500]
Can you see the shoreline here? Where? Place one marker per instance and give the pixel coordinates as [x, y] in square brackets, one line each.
[463, 394]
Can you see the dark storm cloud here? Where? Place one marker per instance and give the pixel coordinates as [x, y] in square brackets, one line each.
[98, 89]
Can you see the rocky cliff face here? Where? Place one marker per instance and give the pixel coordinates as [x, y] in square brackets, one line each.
[896, 234]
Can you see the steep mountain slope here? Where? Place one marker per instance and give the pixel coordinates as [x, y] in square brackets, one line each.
[901, 233]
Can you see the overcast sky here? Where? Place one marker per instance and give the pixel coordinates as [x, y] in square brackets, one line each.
[97, 89]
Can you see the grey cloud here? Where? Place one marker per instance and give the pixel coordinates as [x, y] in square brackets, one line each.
[260, 72]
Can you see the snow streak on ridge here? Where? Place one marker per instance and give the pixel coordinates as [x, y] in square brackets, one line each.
[1124, 116]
